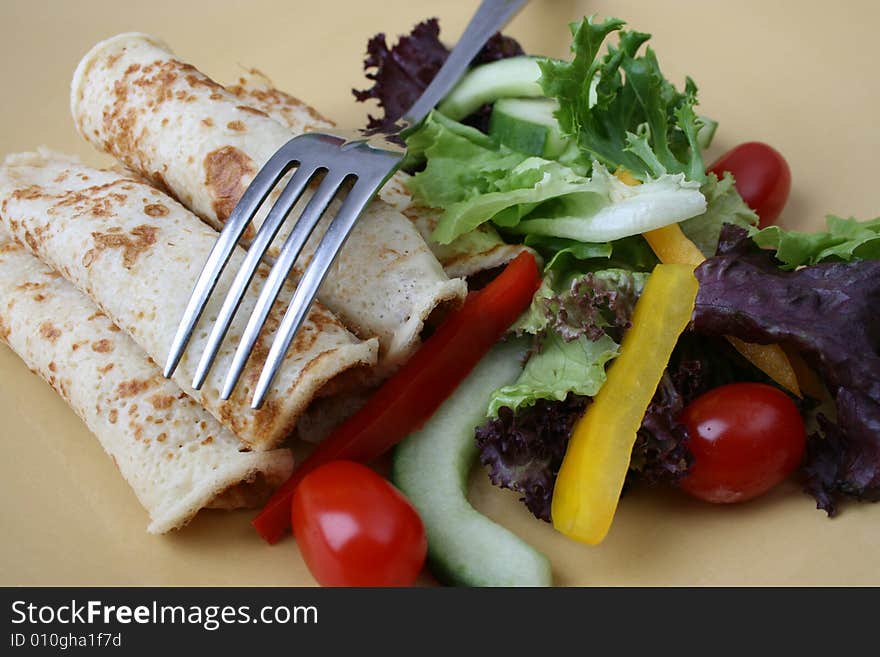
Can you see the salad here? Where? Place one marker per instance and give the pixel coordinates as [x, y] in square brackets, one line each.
[656, 327]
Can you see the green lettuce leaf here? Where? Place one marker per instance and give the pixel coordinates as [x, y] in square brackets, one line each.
[723, 205]
[559, 368]
[639, 120]
[578, 319]
[475, 180]
[845, 240]
[606, 209]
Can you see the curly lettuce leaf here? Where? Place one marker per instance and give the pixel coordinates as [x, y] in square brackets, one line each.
[845, 240]
[826, 311]
[578, 320]
[475, 180]
[724, 205]
[402, 72]
[523, 450]
[639, 120]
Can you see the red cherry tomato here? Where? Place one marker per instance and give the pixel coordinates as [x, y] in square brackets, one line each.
[355, 529]
[762, 176]
[745, 438]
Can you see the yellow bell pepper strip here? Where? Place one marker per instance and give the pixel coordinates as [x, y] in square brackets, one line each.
[597, 459]
[671, 245]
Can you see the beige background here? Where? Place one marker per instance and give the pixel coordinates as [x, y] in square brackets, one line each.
[799, 75]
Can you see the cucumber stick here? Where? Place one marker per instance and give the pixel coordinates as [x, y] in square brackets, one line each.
[431, 467]
[514, 77]
[527, 125]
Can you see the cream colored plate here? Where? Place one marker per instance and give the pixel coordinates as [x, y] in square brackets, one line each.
[795, 74]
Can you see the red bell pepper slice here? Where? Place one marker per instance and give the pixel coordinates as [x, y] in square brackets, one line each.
[407, 399]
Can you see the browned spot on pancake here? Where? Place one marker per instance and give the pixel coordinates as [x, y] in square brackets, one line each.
[216, 96]
[196, 80]
[227, 173]
[39, 297]
[156, 210]
[208, 123]
[97, 200]
[132, 410]
[112, 59]
[208, 440]
[61, 177]
[36, 238]
[96, 315]
[266, 418]
[133, 387]
[30, 285]
[28, 193]
[113, 328]
[169, 455]
[164, 122]
[106, 368]
[52, 275]
[161, 437]
[102, 346]
[10, 247]
[139, 240]
[159, 181]
[52, 366]
[238, 126]
[134, 68]
[113, 415]
[251, 110]
[161, 402]
[4, 330]
[49, 331]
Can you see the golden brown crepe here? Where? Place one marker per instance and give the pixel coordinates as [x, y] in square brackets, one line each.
[162, 118]
[137, 253]
[175, 456]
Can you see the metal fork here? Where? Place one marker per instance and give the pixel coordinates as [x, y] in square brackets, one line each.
[354, 164]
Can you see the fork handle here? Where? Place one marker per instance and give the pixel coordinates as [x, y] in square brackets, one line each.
[491, 16]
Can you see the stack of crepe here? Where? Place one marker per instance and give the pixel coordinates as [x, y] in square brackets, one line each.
[96, 267]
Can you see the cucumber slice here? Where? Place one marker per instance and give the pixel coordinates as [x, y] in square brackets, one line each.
[431, 468]
[527, 125]
[515, 77]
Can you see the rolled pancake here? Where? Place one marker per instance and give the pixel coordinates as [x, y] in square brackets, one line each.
[480, 250]
[175, 456]
[162, 118]
[137, 253]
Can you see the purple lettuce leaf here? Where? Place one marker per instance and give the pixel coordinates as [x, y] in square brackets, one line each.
[523, 451]
[402, 72]
[828, 312]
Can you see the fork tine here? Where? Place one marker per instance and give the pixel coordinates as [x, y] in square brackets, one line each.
[260, 244]
[338, 230]
[238, 221]
[293, 246]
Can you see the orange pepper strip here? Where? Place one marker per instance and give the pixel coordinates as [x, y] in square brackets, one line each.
[671, 245]
[809, 381]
